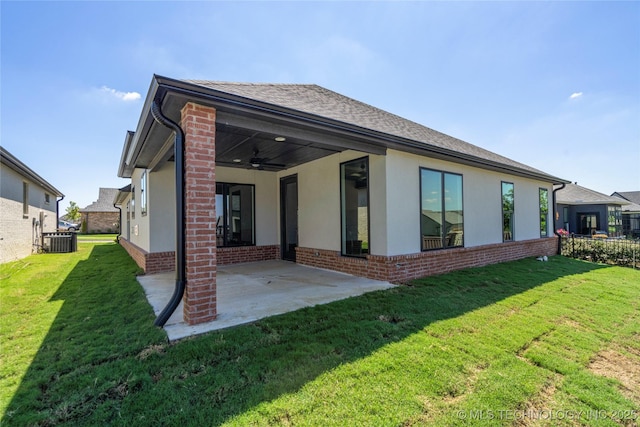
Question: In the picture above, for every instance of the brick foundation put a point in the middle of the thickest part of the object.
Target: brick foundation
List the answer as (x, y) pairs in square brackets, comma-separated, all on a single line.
[(240, 254), (150, 262), (405, 267), (199, 125), (159, 262)]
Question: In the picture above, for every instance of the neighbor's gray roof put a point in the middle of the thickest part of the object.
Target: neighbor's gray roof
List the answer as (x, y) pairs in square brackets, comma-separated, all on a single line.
[(631, 207), (632, 196), (104, 203), (9, 160), (574, 194), (316, 100)]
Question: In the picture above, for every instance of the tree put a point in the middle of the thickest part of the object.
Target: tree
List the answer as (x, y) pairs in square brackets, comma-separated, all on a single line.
[(73, 212)]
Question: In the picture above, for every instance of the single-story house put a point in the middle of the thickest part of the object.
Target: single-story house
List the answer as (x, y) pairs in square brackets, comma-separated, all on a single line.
[(29, 207), (101, 216), (584, 211), (230, 172), (630, 213)]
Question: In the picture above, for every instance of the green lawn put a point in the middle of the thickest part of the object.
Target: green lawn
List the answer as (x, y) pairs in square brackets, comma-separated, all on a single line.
[(97, 237), (498, 345)]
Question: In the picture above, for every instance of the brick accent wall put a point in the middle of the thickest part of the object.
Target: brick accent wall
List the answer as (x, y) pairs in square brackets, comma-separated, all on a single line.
[(247, 254), (199, 125), (154, 262), (100, 222), (405, 267), (159, 262)]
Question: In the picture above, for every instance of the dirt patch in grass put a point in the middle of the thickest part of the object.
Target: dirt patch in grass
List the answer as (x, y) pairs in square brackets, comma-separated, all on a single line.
[(613, 364), (543, 402), (152, 349)]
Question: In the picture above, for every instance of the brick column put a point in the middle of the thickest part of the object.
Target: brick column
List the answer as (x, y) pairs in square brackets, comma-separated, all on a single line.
[(199, 125)]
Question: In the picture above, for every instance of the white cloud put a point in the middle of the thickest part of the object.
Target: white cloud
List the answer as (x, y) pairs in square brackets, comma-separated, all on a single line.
[(575, 95), (125, 96)]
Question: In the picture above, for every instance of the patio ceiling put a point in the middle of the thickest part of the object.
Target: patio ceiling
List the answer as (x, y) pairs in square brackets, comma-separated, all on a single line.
[(251, 149), (254, 143)]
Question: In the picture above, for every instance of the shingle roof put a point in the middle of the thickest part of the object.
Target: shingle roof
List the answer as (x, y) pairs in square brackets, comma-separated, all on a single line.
[(104, 203), (574, 194), (631, 207), (632, 196), (318, 101)]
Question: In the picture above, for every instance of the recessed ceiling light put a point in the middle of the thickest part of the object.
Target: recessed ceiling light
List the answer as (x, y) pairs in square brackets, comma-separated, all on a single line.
[(237, 161), (280, 138)]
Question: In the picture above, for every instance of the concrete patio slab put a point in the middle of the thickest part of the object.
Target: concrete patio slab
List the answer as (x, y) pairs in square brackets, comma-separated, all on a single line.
[(251, 291)]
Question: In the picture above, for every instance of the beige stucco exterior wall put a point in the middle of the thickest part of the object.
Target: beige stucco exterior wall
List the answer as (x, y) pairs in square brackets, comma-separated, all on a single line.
[(139, 225), (266, 200), (394, 204), (319, 201), (161, 209), (18, 233), (481, 202), (154, 231), (126, 228)]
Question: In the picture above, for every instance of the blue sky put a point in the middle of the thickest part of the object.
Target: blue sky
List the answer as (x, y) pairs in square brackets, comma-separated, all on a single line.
[(555, 85)]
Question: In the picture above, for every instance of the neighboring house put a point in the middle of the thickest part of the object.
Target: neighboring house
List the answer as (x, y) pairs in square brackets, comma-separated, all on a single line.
[(29, 207), (301, 173), (630, 213), (101, 216), (583, 211)]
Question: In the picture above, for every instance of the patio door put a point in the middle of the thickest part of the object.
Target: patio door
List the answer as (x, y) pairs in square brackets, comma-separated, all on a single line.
[(589, 223), (289, 217)]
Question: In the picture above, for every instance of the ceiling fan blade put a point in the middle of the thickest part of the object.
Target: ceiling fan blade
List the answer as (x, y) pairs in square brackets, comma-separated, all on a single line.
[(275, 165)]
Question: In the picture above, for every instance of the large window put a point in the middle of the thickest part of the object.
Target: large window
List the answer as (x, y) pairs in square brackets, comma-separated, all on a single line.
[(133, 202), (354, 193), (143, 193), (614, 220), (544, 212), (441, 213), (507, 211), (235, 214)]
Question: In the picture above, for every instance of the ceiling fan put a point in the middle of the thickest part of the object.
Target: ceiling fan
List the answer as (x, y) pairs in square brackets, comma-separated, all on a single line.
[(260, 162)]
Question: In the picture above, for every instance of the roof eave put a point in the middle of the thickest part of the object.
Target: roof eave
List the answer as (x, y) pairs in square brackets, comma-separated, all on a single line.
[(135, 140), (123, 170), (12, 162), (122, 195), (596, 202)]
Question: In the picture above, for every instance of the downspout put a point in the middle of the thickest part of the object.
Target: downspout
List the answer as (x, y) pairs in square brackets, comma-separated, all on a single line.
[(178, 152), (58, 210), (119, 223), (57, 215), (553, 201)]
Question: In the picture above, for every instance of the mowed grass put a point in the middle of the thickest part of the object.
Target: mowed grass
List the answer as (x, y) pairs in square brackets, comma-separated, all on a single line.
[(498, 345), (97, 237)]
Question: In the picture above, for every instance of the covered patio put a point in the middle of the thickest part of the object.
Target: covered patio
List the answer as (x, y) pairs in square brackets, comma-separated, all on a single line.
[(251, 291)]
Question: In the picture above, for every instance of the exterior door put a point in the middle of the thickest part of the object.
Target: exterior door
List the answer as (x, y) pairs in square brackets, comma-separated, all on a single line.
[(289, 217), (589, 223)]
